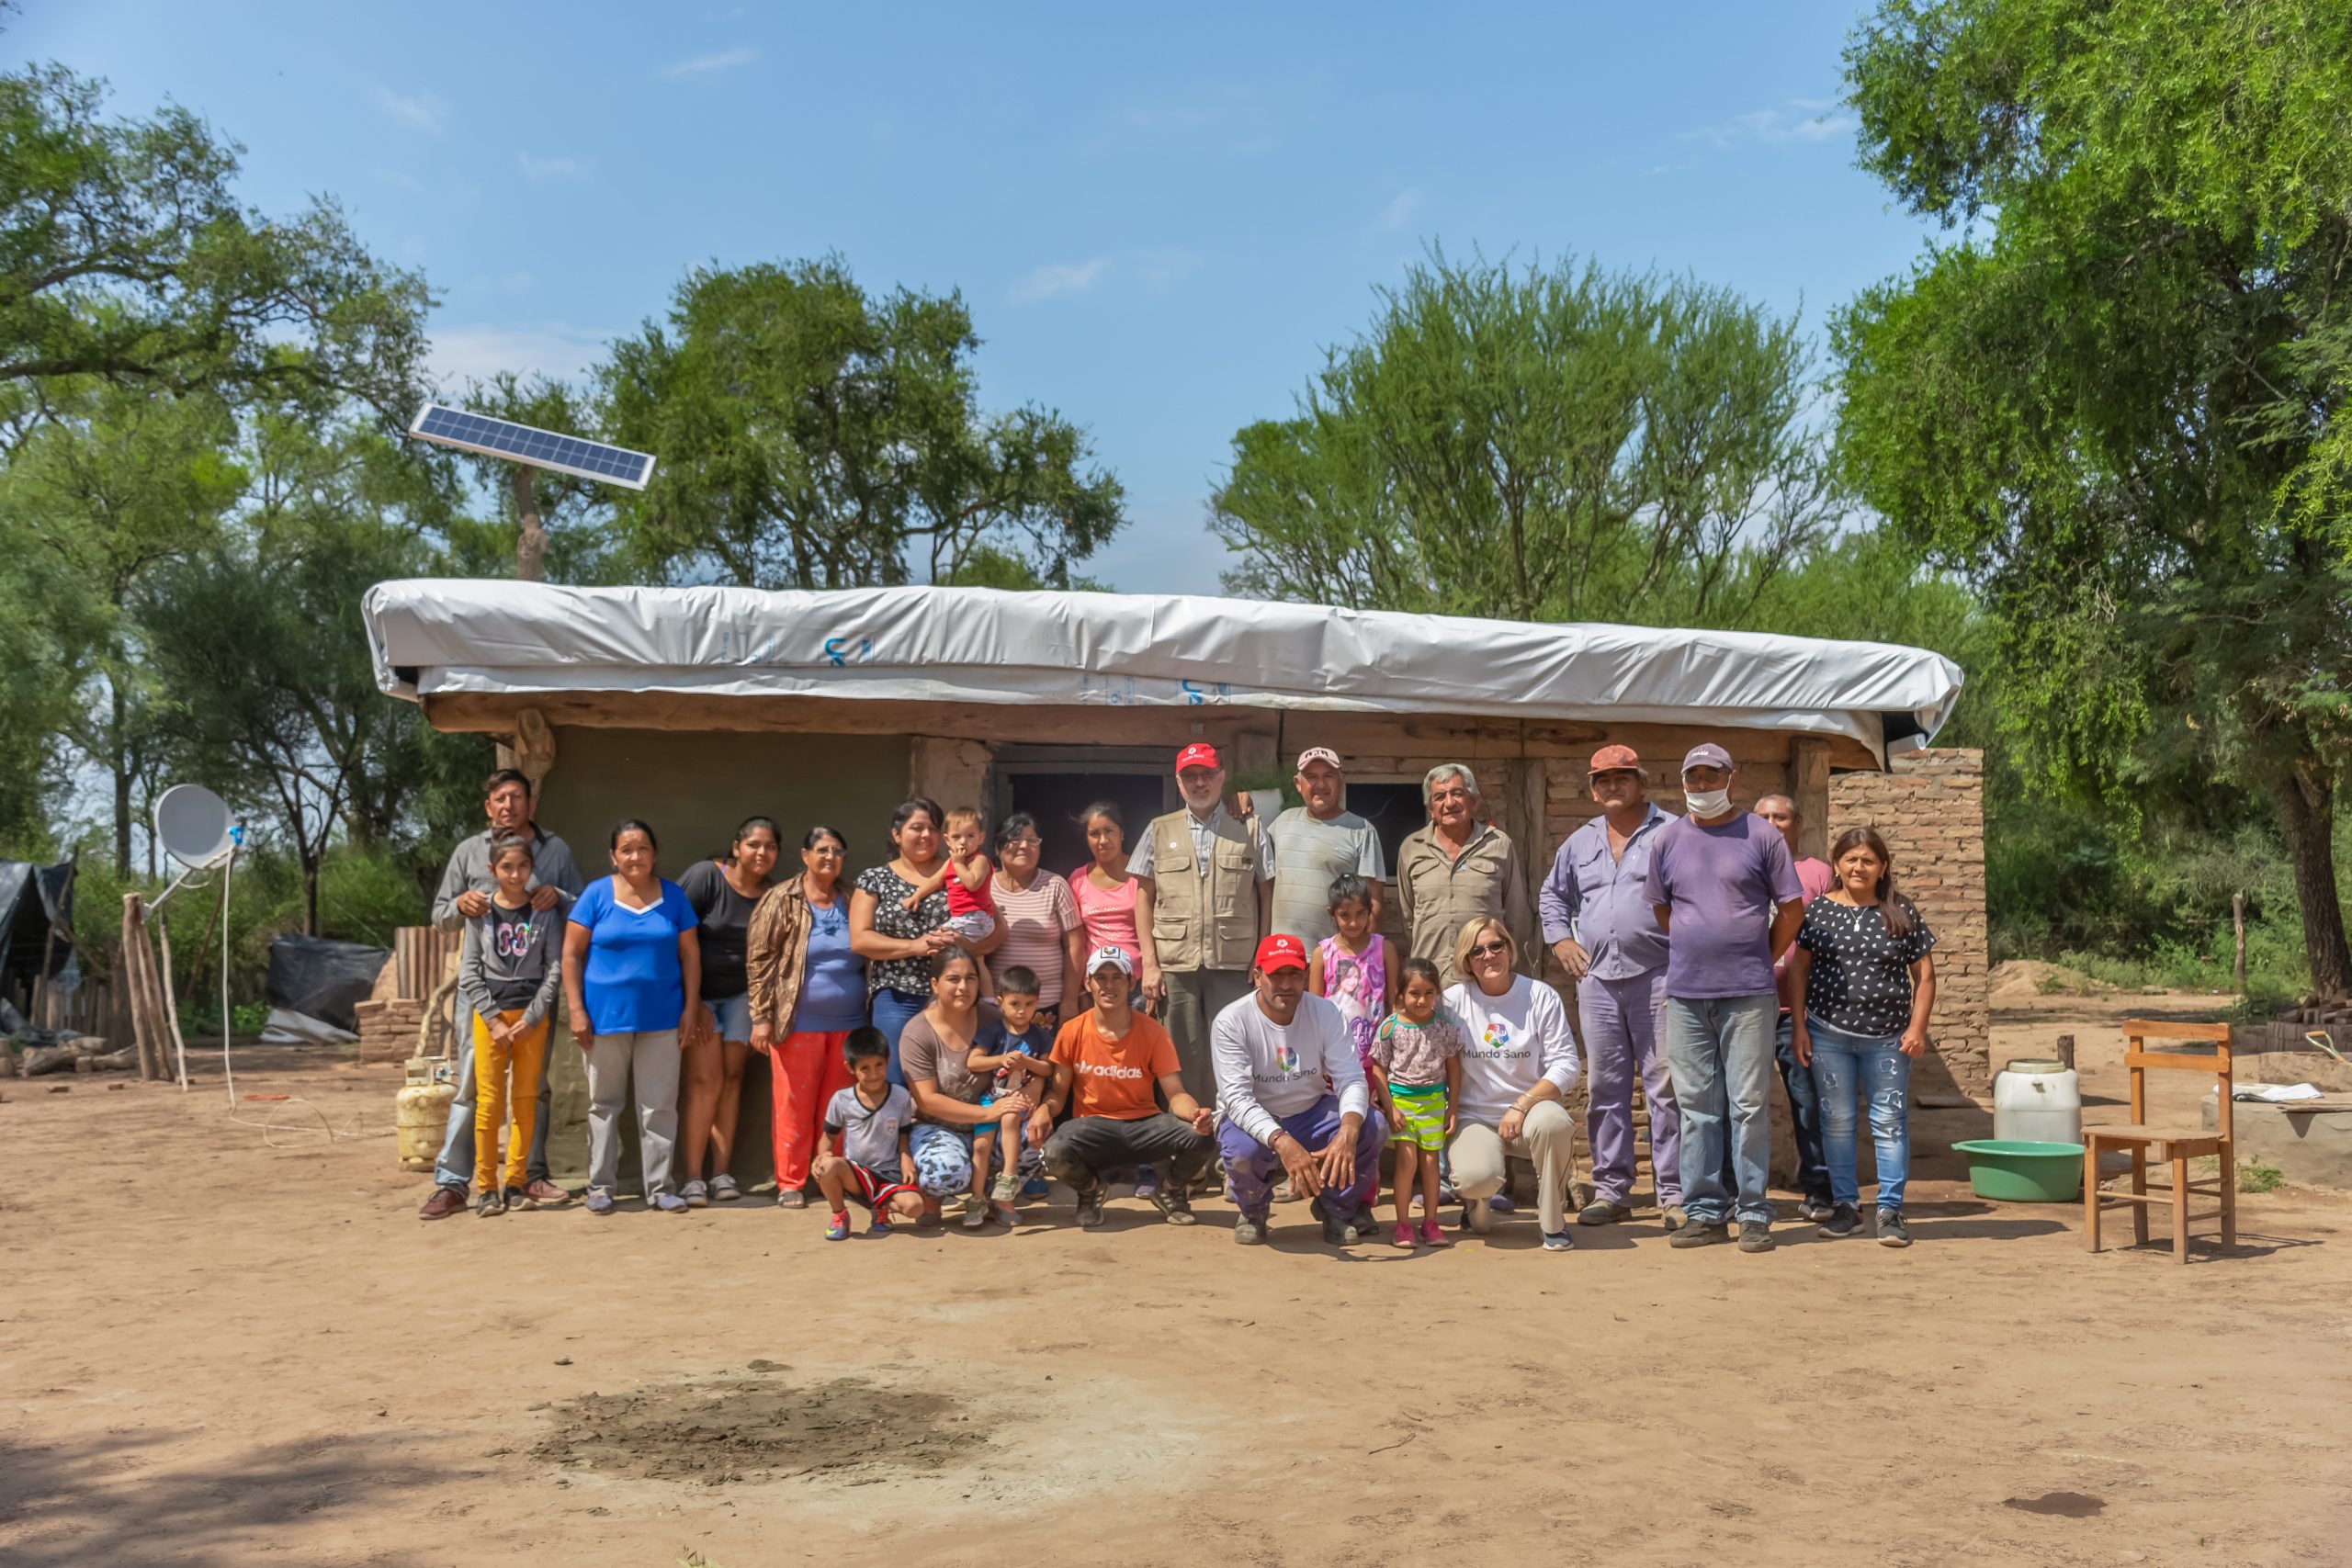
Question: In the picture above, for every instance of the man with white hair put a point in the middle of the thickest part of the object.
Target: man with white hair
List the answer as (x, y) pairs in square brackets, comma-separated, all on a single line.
[(1459, 869)]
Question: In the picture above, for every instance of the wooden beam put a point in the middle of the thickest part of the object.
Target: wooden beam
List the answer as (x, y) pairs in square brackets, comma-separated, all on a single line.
[(1809, 787)]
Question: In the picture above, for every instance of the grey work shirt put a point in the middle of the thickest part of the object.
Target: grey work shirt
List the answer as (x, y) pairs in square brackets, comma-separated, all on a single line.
[(1304, 855), (1603, 901), (469, 870)]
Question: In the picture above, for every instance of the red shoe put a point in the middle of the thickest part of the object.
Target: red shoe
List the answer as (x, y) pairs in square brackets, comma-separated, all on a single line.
[(544, 1194), (1432, 1234), (444, 1201)]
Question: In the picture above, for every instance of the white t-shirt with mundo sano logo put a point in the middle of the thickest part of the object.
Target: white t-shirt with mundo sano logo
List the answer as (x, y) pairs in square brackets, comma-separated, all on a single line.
[(1508, 1042), (1267, 1070)]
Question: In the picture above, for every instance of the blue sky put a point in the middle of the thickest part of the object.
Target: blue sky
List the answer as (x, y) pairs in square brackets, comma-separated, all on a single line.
[(1158, 220)]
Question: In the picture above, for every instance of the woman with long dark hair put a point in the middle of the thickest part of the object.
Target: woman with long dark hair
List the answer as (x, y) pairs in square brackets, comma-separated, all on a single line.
[(1861, 961), (1038, 915), (896, 943), (808, 991), (723, 892), (952, 1100)]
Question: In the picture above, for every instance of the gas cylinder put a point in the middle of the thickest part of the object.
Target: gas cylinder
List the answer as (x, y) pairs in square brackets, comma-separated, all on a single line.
[(420, 1111)]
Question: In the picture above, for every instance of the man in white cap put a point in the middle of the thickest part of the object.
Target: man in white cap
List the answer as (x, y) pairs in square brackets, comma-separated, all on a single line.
[(1308, 846), (1725, 887), (1106, 1062)]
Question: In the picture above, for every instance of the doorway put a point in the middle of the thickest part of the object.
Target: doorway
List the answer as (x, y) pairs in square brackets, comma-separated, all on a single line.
[(1055, 783)]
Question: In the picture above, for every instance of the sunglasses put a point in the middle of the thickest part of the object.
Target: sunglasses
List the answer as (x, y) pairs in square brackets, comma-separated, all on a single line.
[(1490, 949)]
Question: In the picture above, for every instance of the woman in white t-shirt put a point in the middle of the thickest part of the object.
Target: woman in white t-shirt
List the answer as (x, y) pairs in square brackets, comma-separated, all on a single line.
[(1519, 1061)]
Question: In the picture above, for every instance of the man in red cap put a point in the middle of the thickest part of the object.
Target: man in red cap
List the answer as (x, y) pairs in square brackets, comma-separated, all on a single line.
[(1599, 922), (1196, 911), (1291, 1094)]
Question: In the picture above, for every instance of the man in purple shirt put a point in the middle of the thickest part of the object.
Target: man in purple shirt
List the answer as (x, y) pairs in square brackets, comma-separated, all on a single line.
[(1722, 883), (1598, 920)]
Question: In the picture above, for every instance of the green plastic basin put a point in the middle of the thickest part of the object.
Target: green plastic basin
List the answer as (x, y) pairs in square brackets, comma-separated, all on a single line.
[(2008, 1170)]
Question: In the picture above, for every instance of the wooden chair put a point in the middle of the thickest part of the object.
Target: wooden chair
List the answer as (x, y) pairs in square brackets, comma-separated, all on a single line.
[(2176, 1145)]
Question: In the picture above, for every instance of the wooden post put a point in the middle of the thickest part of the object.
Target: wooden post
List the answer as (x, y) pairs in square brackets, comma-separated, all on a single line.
[(2237, 922), (1809, 787), (530, 539)]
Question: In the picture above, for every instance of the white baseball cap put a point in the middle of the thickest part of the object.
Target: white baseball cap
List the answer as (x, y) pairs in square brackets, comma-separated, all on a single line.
[(1111, 952)]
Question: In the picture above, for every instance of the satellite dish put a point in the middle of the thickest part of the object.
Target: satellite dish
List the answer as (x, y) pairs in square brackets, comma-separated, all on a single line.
[(192, 824)]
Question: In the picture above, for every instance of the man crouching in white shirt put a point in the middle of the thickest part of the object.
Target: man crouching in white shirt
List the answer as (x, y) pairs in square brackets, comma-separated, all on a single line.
[(1290, 1094)]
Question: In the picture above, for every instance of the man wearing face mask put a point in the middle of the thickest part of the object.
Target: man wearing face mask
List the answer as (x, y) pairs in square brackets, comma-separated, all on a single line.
[(1722, 883), (1197, 910)]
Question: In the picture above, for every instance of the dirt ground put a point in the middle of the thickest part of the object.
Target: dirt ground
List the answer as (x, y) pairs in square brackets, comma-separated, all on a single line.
[(217, 1351)]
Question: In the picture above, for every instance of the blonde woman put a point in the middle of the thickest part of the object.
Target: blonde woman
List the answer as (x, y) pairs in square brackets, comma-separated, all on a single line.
[(1519, 1061)]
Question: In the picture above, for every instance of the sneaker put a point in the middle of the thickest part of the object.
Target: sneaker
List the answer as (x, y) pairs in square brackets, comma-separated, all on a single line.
[(723, 1189), (792, 1199), (1366, 1225), (1814, 1210), (880, 1226), (1755, 1235), (695, 1196), (1501, 1203), (837, 1228), (1004, 1190), (515, 1199), (1337, 1232), (490, 1204), (1891, 1232), (1006, 1215), (1147, 1182), (444, 1201), (1604, 1211), (1433, 1234), (1404, 1236), (599, 1203), (669, 1203), (1090, 1210), (975, 1216), (1034, 1188), (1172, 1201), (1479, 1215), (541, 1193), (1558, 1241), (1699, 1232), (1843, 1221), (1285, 1192), (1248, 1232), (1674, 1217)]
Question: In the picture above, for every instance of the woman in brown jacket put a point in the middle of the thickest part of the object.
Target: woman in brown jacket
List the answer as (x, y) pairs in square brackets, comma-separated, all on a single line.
[(808, 991)]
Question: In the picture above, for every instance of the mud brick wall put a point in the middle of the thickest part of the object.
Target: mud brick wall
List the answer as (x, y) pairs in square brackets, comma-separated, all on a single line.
[(1930, 809)]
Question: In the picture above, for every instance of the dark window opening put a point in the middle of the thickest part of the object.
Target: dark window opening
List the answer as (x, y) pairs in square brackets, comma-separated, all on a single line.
[(1056, 799), (1394, 811)]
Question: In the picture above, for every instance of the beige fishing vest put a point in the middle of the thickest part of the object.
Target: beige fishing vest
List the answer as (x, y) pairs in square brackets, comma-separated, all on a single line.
[(1203, 922)]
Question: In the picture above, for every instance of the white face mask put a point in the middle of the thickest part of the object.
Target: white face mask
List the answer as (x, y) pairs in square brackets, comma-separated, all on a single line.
[(1708, 802)]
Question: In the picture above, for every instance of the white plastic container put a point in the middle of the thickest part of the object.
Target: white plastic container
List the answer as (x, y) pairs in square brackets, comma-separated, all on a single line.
[(2037, 1101)]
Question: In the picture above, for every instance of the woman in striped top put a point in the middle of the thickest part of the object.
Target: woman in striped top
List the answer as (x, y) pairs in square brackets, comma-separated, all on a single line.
[(1039, 919)]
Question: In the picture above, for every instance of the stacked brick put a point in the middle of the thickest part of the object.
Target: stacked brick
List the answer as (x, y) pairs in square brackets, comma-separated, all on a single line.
[(1930, 809), (388, 1027)]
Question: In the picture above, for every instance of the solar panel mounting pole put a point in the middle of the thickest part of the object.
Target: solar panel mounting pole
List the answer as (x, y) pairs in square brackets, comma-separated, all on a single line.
[(531, 541)]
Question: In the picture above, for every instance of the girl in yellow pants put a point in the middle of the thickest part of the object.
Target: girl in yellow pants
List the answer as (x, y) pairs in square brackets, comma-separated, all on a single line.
[(508, 972)]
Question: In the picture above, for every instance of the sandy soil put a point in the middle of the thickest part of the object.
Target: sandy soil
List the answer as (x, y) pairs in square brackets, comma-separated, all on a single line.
[(215, 1351)]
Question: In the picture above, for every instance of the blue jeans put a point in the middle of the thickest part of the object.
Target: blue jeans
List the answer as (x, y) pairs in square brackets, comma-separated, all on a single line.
[(1805, 1116), (1846, 1068), (892, 1009), (1719, 1050)]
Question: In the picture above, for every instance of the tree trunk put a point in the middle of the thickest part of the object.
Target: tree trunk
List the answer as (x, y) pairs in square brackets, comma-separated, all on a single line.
[(2306, 801), (119, 765), (309, 894), (531, 541)]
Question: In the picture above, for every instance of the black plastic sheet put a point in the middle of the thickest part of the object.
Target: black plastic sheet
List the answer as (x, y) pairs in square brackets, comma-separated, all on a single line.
[(325, 979)]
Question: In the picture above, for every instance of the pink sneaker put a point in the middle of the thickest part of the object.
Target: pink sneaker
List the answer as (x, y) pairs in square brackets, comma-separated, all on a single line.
[(1431, 1235), (1404, 1236)]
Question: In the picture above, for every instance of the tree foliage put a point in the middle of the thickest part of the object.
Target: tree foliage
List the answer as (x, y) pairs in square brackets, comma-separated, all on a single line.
[(1543, 444), (2117, 398), (815, 436)]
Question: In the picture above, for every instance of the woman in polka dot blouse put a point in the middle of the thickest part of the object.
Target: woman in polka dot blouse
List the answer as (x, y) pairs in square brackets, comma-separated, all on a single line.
[(1861, 962)]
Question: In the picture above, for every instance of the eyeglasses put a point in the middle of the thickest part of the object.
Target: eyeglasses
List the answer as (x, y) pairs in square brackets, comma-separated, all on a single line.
[(1028, 843), (1490, 949)]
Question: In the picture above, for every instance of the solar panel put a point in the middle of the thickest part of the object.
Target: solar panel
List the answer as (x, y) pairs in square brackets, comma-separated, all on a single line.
[(540, 448)]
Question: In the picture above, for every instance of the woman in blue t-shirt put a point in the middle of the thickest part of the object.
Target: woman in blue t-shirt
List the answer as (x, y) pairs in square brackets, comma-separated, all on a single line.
[(632, 976)]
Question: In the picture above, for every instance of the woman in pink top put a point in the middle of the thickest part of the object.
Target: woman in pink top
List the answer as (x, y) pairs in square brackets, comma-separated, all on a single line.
[(1105, 893), (1038, 919)]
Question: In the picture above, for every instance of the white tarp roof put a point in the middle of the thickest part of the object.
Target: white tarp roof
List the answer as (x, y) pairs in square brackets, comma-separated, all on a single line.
[(431, 635)]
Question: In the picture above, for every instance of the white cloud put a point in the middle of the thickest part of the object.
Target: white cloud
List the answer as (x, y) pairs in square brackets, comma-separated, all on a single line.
[(727, 60), (542, 170), (1161, 268), (1796, 123), (479, 350), (1401, 210), (1062, 278), (426, 111)]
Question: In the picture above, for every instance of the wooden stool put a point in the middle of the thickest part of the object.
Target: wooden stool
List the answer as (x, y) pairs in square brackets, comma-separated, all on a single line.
[(2174, 1145)]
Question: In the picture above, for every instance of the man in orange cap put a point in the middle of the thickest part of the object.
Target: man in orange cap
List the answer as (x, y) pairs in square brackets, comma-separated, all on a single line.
[(1196, 911), (1599, 922)]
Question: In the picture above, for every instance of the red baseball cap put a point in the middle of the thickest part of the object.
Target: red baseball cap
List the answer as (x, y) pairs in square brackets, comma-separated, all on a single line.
[(1614, 759), (1279, 951), (1199, 755)]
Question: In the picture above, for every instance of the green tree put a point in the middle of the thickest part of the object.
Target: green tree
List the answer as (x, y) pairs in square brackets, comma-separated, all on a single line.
[(1543, 444), (812, 435), (2116, 397), (124, 255)]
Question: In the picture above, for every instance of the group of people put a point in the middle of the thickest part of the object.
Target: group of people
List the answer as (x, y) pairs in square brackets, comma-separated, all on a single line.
[(1216, 1006)]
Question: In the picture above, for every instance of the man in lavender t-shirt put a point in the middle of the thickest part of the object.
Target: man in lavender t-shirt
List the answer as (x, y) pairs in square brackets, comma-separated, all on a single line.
[(1726, 891)]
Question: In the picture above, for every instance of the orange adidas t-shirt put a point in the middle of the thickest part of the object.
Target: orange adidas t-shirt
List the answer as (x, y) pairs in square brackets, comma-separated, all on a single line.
[(1114, 1078)]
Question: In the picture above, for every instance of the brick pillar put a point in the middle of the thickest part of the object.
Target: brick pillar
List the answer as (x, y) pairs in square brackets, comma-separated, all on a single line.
[(1929, 807)]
